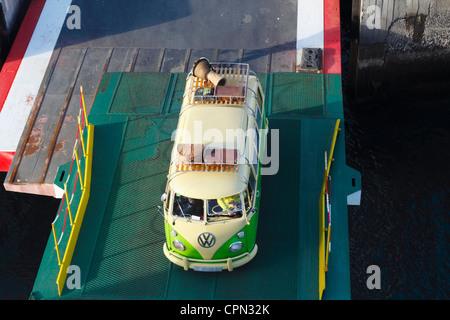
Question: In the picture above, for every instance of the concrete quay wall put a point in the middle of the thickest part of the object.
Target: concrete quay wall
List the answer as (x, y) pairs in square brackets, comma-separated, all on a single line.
[(399, 46)]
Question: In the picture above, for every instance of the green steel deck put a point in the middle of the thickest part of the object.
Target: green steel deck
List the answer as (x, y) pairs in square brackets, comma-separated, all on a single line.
[(119, 249)]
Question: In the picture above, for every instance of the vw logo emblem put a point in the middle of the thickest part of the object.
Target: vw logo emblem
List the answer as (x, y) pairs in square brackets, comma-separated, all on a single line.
[(206, 240)]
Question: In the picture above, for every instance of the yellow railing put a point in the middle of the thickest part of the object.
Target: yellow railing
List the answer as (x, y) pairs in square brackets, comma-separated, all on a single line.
[(82, 156), (324, 207)]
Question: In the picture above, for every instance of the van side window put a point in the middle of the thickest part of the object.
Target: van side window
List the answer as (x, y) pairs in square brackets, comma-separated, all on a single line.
[(253, 145), (252, 185), (258, 119), (257, 137), (248, 196), (259, 99), (259, 102), (167, 201)]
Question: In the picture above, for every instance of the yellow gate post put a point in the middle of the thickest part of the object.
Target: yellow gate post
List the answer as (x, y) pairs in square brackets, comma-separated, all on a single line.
[(68, 204), (56, 245), (324, 245)]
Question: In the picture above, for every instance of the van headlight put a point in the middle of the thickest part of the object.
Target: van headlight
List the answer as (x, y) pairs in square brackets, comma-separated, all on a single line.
[(178, 245), (236, 246)]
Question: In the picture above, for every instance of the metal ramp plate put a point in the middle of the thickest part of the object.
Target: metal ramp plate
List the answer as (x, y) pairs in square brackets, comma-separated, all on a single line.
[(120, 244), (49, 135)]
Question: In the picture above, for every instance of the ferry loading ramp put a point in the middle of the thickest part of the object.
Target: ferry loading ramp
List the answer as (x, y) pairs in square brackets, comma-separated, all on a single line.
[(119, 248)]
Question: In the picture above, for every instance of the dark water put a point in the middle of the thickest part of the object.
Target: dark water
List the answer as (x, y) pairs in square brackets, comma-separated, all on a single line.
[(402, 225), (25, 224), (402, 149)]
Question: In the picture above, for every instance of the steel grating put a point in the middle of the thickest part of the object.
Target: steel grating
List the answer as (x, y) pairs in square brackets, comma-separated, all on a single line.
[(298, 94), (177, 94), (127, 261), (140, 93), (123, 255)]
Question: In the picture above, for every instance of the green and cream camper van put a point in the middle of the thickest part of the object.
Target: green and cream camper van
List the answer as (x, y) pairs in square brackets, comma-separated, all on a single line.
[(211, 201)]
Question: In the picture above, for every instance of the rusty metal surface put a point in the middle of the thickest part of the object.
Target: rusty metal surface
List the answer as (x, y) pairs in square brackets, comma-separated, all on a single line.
[(144, 37), (50, 134)]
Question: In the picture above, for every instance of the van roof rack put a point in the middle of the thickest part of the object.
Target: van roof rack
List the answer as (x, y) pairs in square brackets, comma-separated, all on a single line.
[(234, 91)]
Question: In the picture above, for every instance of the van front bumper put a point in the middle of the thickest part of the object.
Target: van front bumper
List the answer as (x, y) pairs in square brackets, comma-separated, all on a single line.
[(210, 265)]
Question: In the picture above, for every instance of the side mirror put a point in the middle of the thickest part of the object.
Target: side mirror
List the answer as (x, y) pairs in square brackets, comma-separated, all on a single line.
[(163, 197)]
